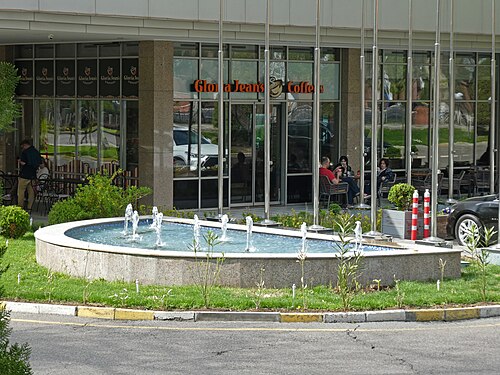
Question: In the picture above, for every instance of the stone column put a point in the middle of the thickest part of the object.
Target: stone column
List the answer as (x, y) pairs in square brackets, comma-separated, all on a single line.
[(351, 108), (156, 121)]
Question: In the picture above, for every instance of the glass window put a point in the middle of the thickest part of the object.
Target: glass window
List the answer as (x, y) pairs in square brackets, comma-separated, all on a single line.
[(110, 135), (86, 50), (87, 134), (24, 52), (186, 49), (329, 130), (186, 194), (130, 49), (484, 82), (212, 50), (132, 123), (46, 127), (394, 82), (109, 50), (65, 131), (299, 72), (394, 56), (393, 133), (303, 54), (330, 81), (483, 129), (185, 73), (209, 72), (330, 54), (300, 119), (465, 59), (185, 137), (244, 52), (246, 73), (65, 50), (210, 132), (44, 51)]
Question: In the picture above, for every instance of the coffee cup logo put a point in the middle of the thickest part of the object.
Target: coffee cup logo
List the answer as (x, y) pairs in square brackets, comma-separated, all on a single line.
[(275, 87), (110, 71)]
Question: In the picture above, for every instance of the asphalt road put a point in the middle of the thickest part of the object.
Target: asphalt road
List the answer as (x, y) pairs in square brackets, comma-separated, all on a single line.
[(71, 345)]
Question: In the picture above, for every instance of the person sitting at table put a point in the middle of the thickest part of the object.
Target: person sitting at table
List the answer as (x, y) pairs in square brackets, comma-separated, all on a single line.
[(384, 174), (347, 176), (43, 170), (335, 177)]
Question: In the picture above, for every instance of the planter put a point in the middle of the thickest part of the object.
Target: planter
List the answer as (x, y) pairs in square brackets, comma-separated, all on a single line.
[(398, 224)]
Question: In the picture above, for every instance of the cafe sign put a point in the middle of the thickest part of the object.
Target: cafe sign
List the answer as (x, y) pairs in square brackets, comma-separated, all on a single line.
[(277, 87)]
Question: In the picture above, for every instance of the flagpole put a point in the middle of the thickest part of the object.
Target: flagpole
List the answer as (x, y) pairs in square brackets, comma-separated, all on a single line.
[(316, 115), (451, 134), (409, 95), (220, 79), (435, 131), (374, 140), (267, 125), (493, 102), (362, 204)]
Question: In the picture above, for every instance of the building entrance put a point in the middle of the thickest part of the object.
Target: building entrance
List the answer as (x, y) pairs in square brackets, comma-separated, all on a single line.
[(247, 153)]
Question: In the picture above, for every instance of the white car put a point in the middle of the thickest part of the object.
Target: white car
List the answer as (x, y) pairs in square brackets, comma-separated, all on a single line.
[(186, 150)]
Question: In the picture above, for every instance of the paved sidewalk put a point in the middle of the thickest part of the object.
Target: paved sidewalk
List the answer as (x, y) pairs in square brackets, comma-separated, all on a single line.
[(411, 315)]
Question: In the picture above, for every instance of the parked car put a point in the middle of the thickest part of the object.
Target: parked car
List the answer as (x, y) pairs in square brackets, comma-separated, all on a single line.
[(477, 211), (186, 149)]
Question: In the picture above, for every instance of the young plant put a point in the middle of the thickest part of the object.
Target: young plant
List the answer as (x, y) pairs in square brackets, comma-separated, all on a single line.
[(121, 298), (207, 269), (259, 292), (349, 261), (442, 265), (476, 243), (400, 295)]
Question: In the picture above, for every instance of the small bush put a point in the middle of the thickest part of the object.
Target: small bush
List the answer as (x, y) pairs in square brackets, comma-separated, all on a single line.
[(401, 195), (14, 221), (98, 199)]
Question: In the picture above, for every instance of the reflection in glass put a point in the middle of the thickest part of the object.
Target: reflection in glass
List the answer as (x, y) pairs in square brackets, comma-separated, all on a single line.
[(185, 73), (87, 133), (110, 135), (483, 131), (299, 72), (244, 72), (209, 72), (241, 160), (300, 119), (46, 127), (65, 131), (392, 136), (132, 149)]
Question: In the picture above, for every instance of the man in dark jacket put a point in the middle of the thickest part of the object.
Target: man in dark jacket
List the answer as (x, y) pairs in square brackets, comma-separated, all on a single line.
[(29, 162)]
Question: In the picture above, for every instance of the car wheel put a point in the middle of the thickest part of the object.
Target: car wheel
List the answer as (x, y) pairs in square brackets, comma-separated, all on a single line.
[(179, 162), (464, 228)]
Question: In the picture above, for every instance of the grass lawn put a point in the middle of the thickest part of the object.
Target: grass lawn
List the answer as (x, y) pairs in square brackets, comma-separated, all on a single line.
[(38, 284)]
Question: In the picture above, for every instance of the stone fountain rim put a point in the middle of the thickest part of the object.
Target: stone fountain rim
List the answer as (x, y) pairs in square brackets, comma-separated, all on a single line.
[(55, 235)]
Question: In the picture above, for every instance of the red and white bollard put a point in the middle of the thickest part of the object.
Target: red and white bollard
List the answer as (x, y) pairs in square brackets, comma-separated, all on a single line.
[(414, 216), (427, 211)]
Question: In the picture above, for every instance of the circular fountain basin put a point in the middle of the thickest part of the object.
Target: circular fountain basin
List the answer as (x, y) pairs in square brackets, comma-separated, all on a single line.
[(62, 248)]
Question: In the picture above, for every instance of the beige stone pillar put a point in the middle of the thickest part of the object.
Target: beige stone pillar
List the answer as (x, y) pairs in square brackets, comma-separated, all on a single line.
[(350, 143), (156, 121)]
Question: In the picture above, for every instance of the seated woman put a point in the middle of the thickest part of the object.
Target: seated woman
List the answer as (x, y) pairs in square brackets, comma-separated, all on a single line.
[(384, 174), (335, 177), (347, 176)]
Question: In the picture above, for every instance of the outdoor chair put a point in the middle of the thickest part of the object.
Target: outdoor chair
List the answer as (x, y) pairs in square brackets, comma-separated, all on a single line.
[(327, 190), (385, 186), (459, 181)]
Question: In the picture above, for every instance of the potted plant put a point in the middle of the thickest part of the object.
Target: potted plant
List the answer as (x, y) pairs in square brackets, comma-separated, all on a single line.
[(398, 222)]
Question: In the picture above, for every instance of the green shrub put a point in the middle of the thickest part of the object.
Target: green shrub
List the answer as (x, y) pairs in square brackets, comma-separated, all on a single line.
[(401, 195), (98, 199), (14, 221)]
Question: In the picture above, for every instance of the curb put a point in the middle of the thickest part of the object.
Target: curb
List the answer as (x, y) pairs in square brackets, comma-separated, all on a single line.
[(412, 315)]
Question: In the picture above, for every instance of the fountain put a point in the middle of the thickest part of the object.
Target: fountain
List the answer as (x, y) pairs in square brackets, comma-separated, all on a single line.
[(249, 222), (224, 221), (154, 213), (97, 249), (358, 236), (128, 217)]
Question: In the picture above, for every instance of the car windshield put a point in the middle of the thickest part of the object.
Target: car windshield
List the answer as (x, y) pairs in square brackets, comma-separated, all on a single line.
[(181, 137)]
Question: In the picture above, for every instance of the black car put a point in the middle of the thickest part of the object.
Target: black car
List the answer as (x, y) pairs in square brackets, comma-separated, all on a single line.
[(477, 211)]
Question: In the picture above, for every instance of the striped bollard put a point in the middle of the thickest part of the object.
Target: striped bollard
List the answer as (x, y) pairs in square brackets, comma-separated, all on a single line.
[(427, 216), (414, 216)]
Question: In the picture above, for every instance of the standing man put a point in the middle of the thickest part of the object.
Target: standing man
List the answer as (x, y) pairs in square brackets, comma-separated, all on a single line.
[(29, 162)]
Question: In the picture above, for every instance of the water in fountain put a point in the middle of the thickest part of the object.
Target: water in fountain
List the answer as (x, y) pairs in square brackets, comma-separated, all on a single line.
[(158, 220), (153, 217), (249, 222), (358, 235), (135, 223), (196, 233), (128, 217), (303, 230), (224, 220)]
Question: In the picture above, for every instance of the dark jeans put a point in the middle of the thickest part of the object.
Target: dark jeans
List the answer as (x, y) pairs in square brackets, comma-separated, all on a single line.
[(353, 189)]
